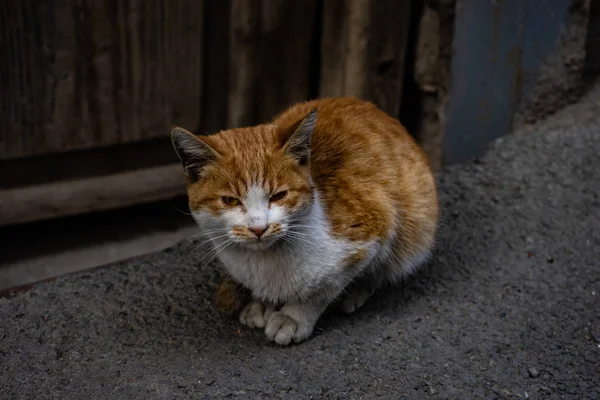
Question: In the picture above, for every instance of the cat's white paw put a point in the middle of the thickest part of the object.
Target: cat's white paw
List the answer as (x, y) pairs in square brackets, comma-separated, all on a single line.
[(256, 314), (289, 324), (355, 298)]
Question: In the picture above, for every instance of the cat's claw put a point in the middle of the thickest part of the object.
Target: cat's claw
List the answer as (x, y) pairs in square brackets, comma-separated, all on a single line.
[(256, 314)]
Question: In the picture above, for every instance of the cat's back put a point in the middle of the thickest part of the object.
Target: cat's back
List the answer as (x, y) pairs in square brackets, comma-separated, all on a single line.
[(349, 130), (370, 173)]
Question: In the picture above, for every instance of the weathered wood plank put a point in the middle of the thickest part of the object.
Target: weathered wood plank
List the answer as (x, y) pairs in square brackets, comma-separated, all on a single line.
[(60, 199), (287, 34), (270, 57), (433, 55), (363, 50), (215, 91), (244, 63), (81, 73), (87, 163)]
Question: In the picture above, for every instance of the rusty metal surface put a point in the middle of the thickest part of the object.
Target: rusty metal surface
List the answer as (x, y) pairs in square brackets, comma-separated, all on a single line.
[(498, 48)]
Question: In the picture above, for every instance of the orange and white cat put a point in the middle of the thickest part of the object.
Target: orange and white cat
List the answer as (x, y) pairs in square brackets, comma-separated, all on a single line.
[(331, 200)]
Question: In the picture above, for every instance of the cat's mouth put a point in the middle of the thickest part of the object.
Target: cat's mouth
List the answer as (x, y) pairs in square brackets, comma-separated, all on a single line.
[(249, 238), (260, 243), (263, 242)]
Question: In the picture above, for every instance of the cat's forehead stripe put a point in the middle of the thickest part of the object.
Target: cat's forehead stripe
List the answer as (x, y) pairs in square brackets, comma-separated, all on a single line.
[(256, 194)]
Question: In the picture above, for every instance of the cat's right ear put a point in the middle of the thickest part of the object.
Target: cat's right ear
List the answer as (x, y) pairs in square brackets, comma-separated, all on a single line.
[(297, 144), (194, 153)]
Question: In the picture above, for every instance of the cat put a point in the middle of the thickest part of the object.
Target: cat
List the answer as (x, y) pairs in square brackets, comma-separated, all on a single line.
[(325, 204)]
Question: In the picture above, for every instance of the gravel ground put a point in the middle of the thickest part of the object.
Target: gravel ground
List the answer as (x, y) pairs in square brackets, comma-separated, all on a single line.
[(509, 307)]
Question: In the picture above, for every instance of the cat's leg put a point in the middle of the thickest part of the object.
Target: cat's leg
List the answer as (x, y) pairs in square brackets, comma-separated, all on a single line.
[(294, 322), (379, 275), (363, 286), (381, 272), (356, 294), (256, 314), (230, 296)]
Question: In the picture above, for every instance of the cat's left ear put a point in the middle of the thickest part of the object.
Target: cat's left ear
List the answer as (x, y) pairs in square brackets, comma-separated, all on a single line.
[(298, 144), (193, 152)]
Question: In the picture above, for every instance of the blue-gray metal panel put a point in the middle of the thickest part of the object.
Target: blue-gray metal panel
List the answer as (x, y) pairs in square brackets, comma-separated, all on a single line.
[(498, 48), (592, 44)]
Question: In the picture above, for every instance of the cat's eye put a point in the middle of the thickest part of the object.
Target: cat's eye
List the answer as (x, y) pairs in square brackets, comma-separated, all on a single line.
[(278, 196), (230, 201)]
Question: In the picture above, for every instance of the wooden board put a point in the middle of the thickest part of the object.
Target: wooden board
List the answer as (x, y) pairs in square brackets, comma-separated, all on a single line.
[(270, 57), (59, 199), (82, 73), (215, 90), (363, 50), (87, 163)]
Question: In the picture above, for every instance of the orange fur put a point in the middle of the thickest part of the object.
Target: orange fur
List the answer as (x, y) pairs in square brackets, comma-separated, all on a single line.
[(230, 296), (373, 179), (372, 175)]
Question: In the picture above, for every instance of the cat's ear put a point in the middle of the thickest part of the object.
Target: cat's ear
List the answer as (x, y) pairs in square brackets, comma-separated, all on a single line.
[(298, 143), (194, 153)]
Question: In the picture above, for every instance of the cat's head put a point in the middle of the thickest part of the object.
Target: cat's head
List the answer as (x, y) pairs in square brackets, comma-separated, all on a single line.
[(249, 186)]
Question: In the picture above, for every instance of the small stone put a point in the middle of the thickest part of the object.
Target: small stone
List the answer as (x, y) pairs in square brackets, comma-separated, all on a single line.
[(533, 372)]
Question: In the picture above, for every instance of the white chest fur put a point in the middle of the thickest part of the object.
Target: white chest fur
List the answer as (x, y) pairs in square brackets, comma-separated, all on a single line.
[(297, 269)]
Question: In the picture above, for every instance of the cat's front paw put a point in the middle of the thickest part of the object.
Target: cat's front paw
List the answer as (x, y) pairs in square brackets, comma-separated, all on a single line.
[(291, 323), (256, 314)]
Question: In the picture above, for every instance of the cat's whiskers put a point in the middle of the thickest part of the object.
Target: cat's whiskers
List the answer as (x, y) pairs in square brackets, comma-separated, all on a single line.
[(216, 248), (301, 225), (299, 233), (183, 212), (300, 219), (296, 237), (205, 232), (293, 243), (208, 240), (221, 249), (300, 229)]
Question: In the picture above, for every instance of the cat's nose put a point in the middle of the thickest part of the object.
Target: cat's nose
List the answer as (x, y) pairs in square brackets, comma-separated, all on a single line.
[(258, 230)]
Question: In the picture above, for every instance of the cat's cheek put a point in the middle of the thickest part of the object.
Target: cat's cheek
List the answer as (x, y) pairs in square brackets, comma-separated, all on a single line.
[(223, 221), (204, 219), (233, 217), (277, 214)]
